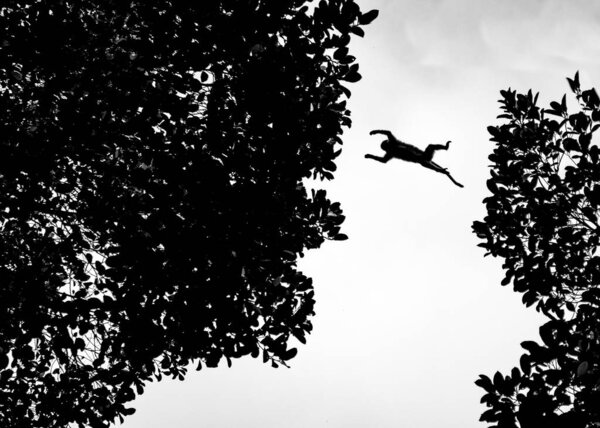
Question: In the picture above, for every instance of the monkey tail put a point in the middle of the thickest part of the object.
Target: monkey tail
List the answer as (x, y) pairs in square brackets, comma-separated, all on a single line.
[(453, 180)]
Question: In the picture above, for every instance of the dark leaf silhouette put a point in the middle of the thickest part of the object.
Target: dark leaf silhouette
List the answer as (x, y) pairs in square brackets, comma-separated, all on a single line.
[(152, 205), (368, 17), (358, 31), (542, 219)]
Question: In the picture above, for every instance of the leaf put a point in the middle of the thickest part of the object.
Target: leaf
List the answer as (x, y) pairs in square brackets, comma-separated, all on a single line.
[(530, 346), (290, 353), (489, 416), (484, 382), (492, 186), (129, 411), (515, 374), (494, 131), (557, 107), (358, 31), (547, 334), (5, 375), (299, 334), (571, 145), (289, 254), (582, 368), (352, 77), (346, 91), (498, 380), (573, 85), (340, 237), (368, 17), (488, 399), (340, 53), (112, 261), (100, 267), (590, 213), (3, 360), (79, 343)]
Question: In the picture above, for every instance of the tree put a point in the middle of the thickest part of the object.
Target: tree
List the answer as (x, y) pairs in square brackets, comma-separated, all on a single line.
[(152, 205), (542, 219)]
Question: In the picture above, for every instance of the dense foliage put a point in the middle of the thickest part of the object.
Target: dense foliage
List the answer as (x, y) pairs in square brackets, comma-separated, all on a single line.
[(152, 206), (542, 219)]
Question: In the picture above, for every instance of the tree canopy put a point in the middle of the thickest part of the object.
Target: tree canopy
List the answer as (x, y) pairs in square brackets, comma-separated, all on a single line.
[(152, 200), (542, 219)]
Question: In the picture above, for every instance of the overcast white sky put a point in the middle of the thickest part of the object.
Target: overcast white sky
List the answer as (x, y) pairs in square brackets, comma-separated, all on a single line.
[(409, 312)]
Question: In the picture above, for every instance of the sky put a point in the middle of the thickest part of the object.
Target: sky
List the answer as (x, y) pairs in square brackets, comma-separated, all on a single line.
[(408, 310)]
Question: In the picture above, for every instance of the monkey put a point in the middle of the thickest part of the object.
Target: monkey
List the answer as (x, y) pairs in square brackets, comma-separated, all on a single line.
[(395, 148)]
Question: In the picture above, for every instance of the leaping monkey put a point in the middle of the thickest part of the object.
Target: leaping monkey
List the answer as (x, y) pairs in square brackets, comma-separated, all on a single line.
[(395, 148)]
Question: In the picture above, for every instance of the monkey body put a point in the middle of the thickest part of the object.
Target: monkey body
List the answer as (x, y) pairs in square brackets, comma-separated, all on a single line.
[(400, 150), (395, 148)]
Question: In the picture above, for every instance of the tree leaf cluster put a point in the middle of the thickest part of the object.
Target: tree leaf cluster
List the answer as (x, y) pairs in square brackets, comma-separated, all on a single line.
[(152, 205), (542, 219)]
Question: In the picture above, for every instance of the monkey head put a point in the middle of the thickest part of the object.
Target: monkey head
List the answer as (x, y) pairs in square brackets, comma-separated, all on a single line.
[(386, 146)]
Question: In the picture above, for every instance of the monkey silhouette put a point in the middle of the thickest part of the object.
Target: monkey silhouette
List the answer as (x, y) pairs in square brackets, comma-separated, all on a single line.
[(394, 148)]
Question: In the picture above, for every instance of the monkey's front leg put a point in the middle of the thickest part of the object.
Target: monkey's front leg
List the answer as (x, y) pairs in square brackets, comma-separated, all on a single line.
[(381, 131), (382, 159)]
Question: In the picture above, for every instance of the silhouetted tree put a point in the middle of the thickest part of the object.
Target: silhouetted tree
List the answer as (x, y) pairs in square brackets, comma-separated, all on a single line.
[(542, 219), (152, 206)]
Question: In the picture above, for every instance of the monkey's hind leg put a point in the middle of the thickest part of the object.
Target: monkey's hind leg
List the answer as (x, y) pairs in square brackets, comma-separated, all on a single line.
[(432, 148)]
